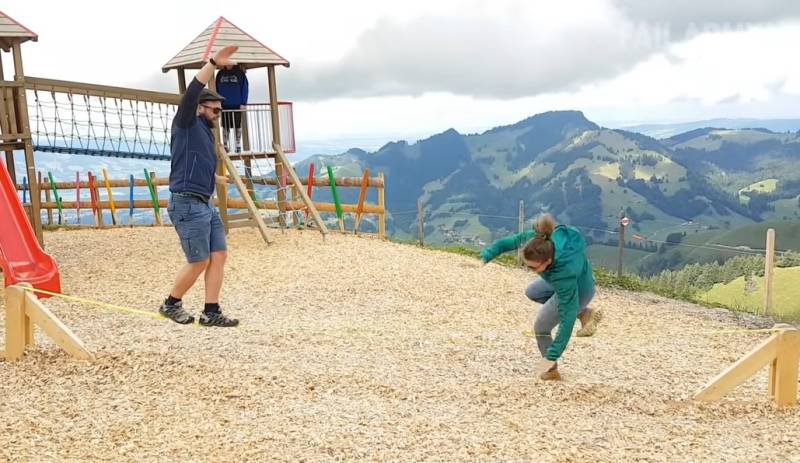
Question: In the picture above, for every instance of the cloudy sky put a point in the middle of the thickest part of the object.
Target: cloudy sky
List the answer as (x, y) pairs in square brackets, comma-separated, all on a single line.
[(365, 72)]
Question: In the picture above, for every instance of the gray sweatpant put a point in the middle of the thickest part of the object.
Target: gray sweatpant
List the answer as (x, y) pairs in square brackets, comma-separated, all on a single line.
[(540, 291)]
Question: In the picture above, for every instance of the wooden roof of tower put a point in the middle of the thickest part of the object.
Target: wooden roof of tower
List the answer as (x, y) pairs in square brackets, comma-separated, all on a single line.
[(221, 33), (11, 31)]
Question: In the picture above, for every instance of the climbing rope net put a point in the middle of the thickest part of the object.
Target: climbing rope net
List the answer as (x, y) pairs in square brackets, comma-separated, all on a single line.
[(76, 118), (100, 126)]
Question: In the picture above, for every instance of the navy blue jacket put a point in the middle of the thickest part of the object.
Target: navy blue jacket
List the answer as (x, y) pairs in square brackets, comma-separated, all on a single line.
[(194, 160), (233, 85)]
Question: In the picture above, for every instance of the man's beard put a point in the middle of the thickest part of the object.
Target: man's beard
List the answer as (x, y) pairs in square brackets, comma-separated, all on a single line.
[(211, 124)]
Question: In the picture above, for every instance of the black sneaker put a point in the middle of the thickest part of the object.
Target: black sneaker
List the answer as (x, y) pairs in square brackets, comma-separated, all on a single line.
[(217, 319), (176, 313)]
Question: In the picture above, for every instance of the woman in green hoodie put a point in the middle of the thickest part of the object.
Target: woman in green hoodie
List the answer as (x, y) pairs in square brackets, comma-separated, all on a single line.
[(565, 287)]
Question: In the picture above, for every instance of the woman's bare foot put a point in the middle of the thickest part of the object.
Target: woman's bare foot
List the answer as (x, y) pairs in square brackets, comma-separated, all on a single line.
[(551, 375)]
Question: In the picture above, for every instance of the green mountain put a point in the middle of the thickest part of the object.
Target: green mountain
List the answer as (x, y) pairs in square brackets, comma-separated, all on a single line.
[(705, 181)]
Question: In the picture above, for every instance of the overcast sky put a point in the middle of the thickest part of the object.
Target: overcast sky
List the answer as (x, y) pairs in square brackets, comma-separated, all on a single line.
[(403, 69)]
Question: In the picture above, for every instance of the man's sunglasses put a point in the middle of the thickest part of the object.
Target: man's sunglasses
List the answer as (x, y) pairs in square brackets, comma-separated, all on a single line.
[(213, 109)]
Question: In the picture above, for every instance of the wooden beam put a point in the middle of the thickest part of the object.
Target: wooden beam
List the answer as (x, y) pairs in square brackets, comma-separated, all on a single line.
[(232, 203), (55, 329), (12, 137), (240, 216), (249, 204), (81, 88), (740, 371), (242, 223), (347, 182)]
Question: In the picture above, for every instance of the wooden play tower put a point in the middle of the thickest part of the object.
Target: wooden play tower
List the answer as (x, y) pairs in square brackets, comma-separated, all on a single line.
[(15, 131), (251, 54)]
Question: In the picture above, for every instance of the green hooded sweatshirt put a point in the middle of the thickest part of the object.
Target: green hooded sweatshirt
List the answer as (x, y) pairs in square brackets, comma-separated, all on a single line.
[(570, 275)]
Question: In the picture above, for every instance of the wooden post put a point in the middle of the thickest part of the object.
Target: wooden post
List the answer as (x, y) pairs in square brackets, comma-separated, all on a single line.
[(222, 193), (156, 209), (421, 222), (182, 81), (15, 322), (781, 352), (96, 189), (5, 129), (10, 167), (248, 163), (78, 195), (769, 266), (19, 329), (382, 205), (47, 198), (362, 195), (309, 187), (276, 136), (623, 221), (783, 370), (521, 225), (110, 194), (92, 187), (245, 133), (25, 129)]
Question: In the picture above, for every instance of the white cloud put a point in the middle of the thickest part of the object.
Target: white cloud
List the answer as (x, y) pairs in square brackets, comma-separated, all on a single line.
[(464, 64)]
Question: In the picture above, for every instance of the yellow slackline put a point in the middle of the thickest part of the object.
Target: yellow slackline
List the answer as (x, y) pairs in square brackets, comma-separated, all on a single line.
[(118, 308), (529, 333), (158, 316)]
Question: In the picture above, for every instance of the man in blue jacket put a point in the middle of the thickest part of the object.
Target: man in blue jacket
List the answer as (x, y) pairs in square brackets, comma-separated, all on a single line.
[(232, 84), (192, 179)]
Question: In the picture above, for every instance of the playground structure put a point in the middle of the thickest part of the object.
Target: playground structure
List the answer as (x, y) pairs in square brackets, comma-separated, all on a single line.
[(149, 140), (48, 115)]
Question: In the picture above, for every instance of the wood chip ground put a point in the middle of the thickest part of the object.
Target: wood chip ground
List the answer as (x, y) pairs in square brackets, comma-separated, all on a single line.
[(357, 349)]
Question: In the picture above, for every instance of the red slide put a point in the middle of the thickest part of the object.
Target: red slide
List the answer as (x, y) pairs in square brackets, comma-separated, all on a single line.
[(21, 257)]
